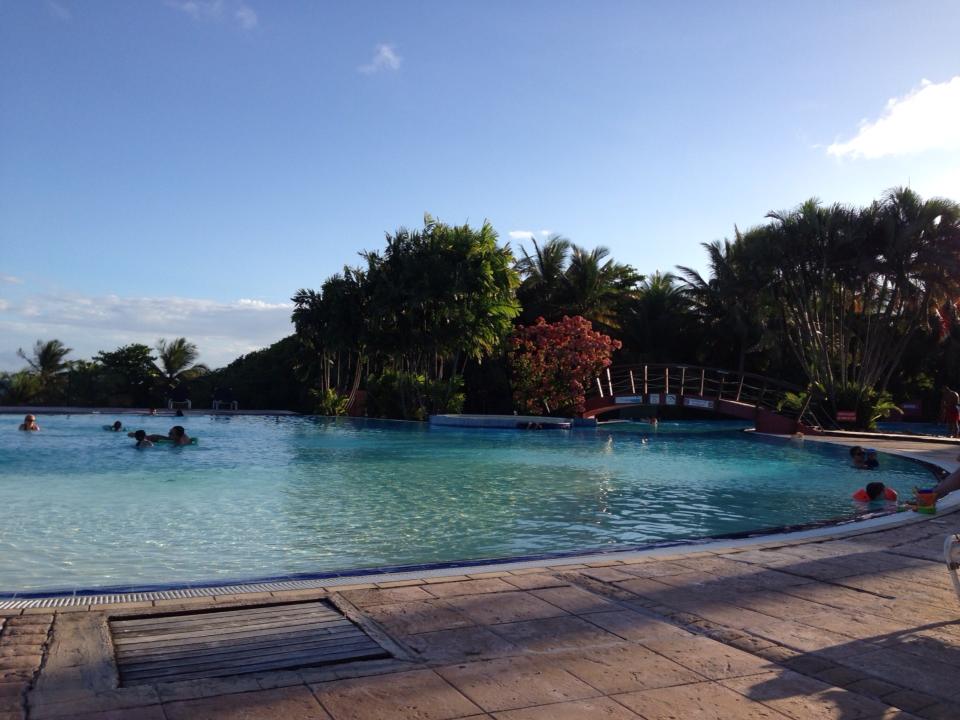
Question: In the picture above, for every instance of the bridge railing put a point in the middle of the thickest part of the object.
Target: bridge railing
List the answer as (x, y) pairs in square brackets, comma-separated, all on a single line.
[(701, 381)]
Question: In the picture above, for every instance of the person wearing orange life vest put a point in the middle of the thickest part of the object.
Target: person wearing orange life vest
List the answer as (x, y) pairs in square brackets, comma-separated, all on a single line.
[(875, 491)]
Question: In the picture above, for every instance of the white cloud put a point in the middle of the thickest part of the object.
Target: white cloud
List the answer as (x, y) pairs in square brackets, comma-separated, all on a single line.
[(11, 279), (3, 304), (384, 58), (221, 330), (927, 118), (59, 11), (246, 17), (528, 234), (218, 11)]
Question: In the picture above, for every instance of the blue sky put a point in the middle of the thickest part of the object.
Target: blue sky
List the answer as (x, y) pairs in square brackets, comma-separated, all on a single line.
[(183, 167)]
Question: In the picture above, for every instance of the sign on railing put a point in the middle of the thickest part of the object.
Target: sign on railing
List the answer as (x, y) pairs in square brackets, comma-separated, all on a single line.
[(846, 415)]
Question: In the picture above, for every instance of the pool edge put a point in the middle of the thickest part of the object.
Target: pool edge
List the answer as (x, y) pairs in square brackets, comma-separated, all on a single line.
[(388, 578)]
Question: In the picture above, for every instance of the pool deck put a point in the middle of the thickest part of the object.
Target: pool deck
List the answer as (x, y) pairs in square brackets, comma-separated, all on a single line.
[(853, 623)]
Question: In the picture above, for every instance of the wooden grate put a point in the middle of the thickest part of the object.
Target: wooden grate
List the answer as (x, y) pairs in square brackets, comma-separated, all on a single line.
[(166, 648)]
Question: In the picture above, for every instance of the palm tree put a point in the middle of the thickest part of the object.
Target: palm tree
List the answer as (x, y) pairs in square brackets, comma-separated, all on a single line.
[(177, 361), (598, 288), (48, 366), (730, 302), (543, 278)]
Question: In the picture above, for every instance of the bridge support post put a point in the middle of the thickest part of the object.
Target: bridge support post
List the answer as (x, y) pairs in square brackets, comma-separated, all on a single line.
[(703, 379), (633, 387), (645, 389)]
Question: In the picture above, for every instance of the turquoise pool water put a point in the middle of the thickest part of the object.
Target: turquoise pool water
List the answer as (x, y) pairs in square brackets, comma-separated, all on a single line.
[(269, 496)]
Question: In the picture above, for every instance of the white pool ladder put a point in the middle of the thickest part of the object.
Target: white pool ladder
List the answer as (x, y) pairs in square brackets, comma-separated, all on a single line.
[(951, 553)]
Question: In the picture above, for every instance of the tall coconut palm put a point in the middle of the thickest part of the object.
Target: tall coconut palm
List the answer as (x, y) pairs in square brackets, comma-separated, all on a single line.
[(655, 321), (730, 302), (177, 361), (47, 364), (598, 288), (542, 278)]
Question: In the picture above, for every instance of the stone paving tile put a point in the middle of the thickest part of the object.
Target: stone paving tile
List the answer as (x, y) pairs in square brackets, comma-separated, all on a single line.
[(699, 701), (895, 666), (654, 569), (417, 695), (506, 607), (606, 574), (689, 579), (152, 712), (411, 618), (599, 708), (709, 658), (637, 627), (470, 587), (365, 598), (944, 648), (940, 711), (806, 638), (910, 700), (294, 703), (723, 613), (575, 600), (534, 581), (460, 645), (862, 626), (516, 682), (445, 579), (624, 668), (208, 687), (804, 698), (557, 633), (649, 588), (400, 583)]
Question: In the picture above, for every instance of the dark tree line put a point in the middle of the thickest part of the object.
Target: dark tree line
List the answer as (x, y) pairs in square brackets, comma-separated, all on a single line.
[(856, 304)]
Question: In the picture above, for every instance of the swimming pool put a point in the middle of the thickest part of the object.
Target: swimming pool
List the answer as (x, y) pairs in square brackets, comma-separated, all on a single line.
[(271, 496)]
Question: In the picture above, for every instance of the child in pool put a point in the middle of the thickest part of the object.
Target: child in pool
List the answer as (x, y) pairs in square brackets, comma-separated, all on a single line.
[(875, 491), (142, 442)]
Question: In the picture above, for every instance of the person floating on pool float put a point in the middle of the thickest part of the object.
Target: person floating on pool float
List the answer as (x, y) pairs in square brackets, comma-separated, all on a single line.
[(142, 442), (864, 458), (29, 424), (177, 435), (875, 491)]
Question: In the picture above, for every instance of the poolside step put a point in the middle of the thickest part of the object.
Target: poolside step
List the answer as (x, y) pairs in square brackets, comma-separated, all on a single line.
[(215, 643)]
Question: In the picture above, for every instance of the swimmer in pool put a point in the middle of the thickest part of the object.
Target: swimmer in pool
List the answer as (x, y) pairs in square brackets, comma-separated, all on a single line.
[(177, 436), (29, 424), (117, 426), (875, 491), (142, 441)]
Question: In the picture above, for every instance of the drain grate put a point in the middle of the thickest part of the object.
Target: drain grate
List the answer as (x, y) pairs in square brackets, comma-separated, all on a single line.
[(165, 648)]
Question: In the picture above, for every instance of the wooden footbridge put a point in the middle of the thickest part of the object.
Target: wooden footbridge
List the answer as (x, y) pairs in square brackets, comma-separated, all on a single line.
[(724, 392)]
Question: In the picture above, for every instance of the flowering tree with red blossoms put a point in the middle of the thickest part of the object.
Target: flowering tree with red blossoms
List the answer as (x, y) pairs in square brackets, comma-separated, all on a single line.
[(554, 364)]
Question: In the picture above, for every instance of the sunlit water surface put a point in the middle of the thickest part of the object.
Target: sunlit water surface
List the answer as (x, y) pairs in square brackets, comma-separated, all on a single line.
[(271, 496)]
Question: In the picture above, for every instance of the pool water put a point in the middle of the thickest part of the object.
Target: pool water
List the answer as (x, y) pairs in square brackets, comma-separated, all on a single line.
[(271, 496)]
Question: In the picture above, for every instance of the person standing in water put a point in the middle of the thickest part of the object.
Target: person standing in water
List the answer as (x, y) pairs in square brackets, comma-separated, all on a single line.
[(29, 424)]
